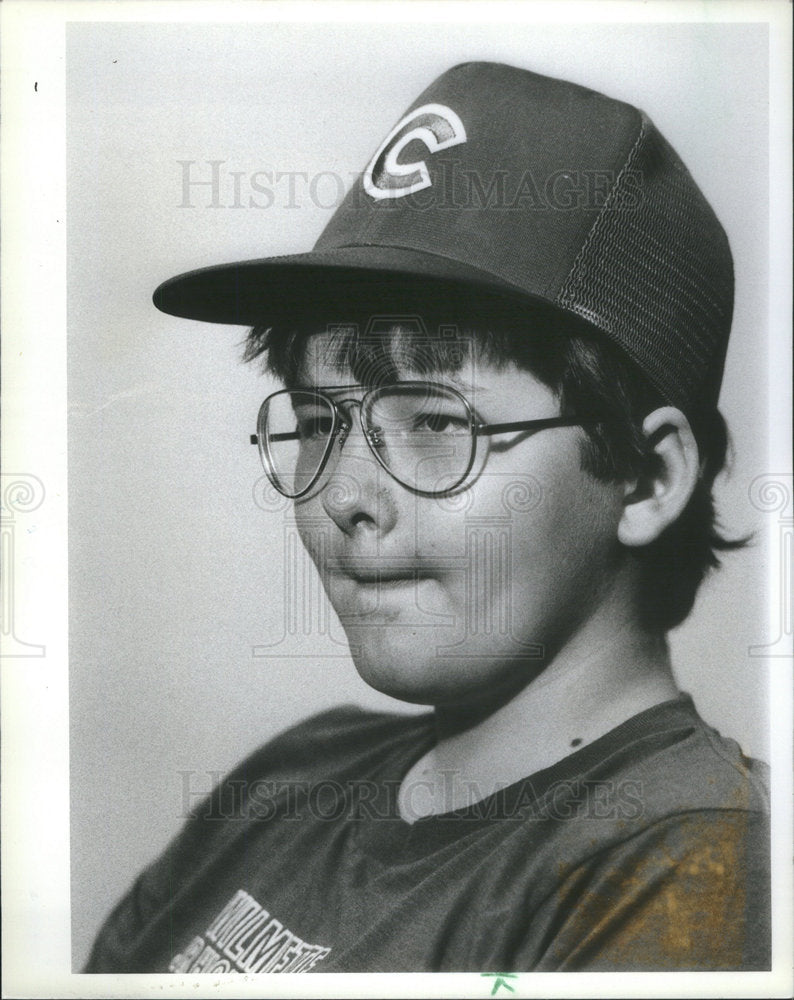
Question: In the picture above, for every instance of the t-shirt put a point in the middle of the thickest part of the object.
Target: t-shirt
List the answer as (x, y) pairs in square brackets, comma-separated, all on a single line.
[(647, 849)]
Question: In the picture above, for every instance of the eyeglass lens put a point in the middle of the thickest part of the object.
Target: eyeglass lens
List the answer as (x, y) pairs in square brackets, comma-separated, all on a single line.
[(420, 433)]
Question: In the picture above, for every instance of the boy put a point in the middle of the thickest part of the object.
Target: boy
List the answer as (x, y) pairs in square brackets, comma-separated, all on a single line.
[(499, 428)]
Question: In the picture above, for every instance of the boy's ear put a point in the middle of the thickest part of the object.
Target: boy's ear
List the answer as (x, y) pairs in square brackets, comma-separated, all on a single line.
[(659, 495)]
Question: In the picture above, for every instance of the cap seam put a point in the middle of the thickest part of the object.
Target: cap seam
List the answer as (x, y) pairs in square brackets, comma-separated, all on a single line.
[(569, 284)]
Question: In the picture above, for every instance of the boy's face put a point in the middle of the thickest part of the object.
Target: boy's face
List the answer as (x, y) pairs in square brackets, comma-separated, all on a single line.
[(459, 599)]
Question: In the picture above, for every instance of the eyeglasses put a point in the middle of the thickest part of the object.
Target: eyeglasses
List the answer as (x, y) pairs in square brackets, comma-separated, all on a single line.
[(424, 434)]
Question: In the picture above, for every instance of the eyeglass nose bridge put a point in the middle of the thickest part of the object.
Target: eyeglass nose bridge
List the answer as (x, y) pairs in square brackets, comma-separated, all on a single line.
[(372, 435)]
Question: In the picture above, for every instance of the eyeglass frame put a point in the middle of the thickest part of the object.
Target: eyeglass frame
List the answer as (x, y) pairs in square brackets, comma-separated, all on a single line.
[(340, 423)]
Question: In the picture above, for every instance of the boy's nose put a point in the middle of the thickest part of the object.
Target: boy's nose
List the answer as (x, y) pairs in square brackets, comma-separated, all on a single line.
[(358, 493)]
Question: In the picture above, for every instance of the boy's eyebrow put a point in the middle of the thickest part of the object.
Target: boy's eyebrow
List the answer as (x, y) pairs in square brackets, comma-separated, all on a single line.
[(470, 386)]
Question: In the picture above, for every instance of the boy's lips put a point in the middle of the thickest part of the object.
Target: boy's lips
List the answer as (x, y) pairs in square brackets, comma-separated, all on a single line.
[(364, 595), (369, 571)]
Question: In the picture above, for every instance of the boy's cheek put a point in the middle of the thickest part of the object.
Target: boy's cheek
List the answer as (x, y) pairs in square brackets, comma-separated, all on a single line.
[(313, 531)]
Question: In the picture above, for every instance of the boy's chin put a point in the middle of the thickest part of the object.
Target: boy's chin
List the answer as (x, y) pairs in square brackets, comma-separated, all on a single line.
[(415, 668), (403, 674)]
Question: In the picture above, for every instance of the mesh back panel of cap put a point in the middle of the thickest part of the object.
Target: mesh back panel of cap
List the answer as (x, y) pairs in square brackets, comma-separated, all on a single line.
[(656, 274)]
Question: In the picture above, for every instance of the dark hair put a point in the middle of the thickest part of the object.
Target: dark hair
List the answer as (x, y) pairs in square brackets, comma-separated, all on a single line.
[(586, 372)]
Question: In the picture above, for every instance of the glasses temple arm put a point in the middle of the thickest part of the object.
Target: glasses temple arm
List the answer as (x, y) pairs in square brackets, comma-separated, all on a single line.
[(287, 436), (536, 425)]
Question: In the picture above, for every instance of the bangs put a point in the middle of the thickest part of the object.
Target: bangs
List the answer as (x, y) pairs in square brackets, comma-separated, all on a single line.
[(382, 349), (383, 352)]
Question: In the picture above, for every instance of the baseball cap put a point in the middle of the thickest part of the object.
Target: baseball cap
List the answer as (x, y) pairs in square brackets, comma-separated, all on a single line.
[(520, 188)]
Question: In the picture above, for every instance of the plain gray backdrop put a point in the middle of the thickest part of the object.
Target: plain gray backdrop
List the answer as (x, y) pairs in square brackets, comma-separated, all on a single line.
[(178, 564)]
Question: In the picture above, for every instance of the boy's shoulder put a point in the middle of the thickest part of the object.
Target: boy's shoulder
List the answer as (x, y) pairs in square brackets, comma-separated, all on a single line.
[(685, 764), (664, 766)]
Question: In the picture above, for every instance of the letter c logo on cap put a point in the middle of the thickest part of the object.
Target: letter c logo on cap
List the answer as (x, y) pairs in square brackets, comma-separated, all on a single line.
[(434, 125)]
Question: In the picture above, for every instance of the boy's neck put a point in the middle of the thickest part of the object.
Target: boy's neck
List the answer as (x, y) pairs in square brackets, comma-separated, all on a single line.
[(591, 686)]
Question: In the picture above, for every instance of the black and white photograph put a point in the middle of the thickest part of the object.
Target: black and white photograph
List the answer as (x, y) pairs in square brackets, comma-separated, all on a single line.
[(397, 535)]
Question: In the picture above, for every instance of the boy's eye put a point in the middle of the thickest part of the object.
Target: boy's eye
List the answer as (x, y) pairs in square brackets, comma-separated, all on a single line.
[(441, 423), (314, 426)]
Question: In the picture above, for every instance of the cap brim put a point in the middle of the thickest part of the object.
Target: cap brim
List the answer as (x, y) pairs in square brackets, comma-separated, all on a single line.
[(280, 289)]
